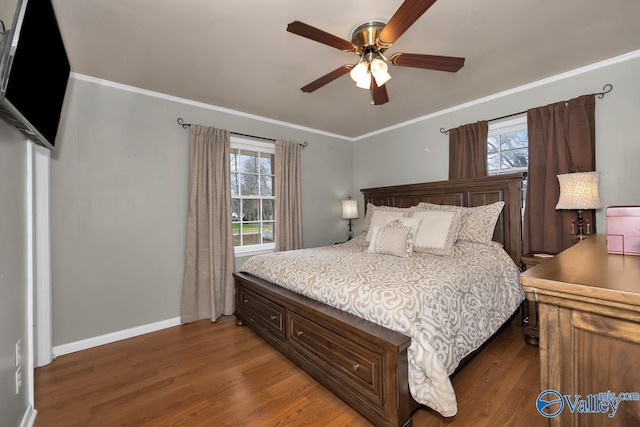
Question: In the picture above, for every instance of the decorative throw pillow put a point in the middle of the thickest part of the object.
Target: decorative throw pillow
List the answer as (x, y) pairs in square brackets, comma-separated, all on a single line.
[(414, 223), (379, 216), (392, 239), (438, 231), (371, 209), (478, 223)]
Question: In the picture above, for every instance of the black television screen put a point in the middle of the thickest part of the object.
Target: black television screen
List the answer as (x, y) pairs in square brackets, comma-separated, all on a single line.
[(35, 71)]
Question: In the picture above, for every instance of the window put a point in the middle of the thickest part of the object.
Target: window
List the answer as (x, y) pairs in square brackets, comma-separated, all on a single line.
[(508, 147), (508, 150), (252, 197)]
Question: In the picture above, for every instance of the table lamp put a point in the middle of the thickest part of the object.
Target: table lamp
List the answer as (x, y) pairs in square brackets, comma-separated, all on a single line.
[(579, 191)]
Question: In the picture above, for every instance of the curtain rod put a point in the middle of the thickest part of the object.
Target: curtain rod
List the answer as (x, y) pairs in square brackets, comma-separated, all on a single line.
[(605, 90), (186, 125)]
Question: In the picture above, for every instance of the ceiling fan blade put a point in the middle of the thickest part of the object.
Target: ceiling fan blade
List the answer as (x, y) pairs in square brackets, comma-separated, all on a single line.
[(431, 62), (305, 30), (327, 78), (378, 93), (405, 16)]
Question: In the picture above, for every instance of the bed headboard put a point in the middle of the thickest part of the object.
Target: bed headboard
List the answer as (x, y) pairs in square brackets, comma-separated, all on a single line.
[(464, 192)]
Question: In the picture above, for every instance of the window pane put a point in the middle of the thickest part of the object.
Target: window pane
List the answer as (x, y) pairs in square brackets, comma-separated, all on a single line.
[(492, 144), (235, 210), (266, 164), (494, 162), (515, 159), (248, 161), (234, 184), (234, 157), (266, 185), (250, 210), (249, 185), (267, 210), (250, 233), (235, 229), (517, 139), (267, 232)]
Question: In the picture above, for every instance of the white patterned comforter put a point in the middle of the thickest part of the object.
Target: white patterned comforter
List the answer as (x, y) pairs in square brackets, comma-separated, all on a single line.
[(449, 306)]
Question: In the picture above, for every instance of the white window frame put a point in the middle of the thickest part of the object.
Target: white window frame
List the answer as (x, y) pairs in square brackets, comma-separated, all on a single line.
[(262, 147), (519, 123)]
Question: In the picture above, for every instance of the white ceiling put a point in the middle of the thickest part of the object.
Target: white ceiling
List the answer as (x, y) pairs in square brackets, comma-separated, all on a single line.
[(237, 54)]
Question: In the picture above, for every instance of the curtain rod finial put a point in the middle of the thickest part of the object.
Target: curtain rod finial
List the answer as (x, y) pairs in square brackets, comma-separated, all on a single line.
[(605, 89), (182, 123), (443, 130)]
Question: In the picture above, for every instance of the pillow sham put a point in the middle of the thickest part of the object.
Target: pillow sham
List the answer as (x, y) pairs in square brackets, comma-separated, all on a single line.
[(392, 239), (379, 216), (437, 232), (371, 209), (478, 223), (414, 223)]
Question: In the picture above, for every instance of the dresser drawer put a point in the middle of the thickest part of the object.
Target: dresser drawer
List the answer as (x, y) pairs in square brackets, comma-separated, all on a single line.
[(264, 313), (348, 362)]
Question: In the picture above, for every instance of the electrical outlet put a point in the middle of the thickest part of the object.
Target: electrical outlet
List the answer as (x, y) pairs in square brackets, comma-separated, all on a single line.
[(18, 353), (18, 379)]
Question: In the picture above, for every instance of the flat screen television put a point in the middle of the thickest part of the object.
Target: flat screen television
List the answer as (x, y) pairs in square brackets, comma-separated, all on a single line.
[(34, 72)]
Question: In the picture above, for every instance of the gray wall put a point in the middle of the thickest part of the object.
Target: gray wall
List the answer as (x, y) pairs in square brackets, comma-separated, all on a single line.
[(399, 156), (13, 271), (119, 184), (119, 194)]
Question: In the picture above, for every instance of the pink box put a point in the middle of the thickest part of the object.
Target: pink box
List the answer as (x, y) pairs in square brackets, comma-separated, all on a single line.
[(623, 230)]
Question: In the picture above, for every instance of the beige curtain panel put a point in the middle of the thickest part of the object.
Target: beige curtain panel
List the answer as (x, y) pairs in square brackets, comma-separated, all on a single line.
[(288, 233), (468, 150), (207, 289)]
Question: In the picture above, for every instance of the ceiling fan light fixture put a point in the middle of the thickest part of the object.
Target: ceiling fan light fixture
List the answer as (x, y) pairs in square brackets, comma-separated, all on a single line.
[(360, 74), (379, 69), (364, 82)]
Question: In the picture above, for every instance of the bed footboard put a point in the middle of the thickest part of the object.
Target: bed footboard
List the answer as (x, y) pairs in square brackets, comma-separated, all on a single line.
[(362, 363)]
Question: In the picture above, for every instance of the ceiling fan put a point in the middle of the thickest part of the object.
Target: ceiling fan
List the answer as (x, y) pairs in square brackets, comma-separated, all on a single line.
[(369, 41)]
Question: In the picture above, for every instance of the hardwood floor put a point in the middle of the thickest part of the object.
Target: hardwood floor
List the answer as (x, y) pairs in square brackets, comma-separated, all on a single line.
[(219, 374)]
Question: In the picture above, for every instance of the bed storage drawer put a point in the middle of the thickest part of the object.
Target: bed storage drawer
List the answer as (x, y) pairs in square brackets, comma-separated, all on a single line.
[(363, 363), (352, 365), (264, 313)]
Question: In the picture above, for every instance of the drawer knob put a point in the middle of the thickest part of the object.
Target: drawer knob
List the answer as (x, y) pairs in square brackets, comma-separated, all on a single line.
[(245, 301), (273, 317), (299, 333), (355, 366)]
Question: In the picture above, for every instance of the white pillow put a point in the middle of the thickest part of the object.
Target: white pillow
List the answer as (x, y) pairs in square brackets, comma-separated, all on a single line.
[(437, 232), (371, 208), (379, 218), (393, 239)]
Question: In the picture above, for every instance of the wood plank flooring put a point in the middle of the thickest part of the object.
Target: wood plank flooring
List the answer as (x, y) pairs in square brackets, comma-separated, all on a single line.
[(219, 374)]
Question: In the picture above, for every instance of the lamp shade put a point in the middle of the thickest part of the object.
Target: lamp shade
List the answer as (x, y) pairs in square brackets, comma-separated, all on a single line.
[(349, 209), (579, 191)]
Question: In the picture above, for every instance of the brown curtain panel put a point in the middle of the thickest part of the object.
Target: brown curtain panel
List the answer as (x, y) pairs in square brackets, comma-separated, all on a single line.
[(561, 140), (288, 226), (468, 150), (207, 288)]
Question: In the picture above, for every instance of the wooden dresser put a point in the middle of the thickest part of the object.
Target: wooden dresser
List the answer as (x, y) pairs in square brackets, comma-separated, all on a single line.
[(589, 324)]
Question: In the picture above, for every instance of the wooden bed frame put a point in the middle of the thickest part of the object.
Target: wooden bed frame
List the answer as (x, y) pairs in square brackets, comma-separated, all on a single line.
[(363, 363)]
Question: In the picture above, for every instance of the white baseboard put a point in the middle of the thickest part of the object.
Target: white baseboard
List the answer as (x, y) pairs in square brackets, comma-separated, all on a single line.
[(29, 418), (59, 350)]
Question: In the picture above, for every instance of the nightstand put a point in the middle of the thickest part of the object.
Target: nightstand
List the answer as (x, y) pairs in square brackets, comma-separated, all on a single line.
[(530, 314)]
